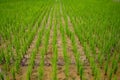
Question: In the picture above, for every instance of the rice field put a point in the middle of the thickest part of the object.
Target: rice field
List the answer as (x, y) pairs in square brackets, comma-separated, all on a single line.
[(59, 40)]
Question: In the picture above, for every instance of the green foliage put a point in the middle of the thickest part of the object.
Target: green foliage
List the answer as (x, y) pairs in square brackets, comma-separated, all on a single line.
[(29, 72), (95, 24), (81, 72), (106, 67), (1, 76), (13, 74)]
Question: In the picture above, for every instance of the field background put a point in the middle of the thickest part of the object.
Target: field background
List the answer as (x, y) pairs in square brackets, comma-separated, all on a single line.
[(59, 40)]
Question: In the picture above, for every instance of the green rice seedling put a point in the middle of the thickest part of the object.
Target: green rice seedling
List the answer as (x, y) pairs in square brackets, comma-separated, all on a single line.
[(40, 70), (100, 59), (108, 57), (114, 65), (96, 75), (81, 71), (55, 55), (54, 65), (7, 59), (66, 59), (110, 74), (85, 48), (29, 71), (28, 75), (13, 74), (54, 73), (74, 44), (93, 69), (119, 58), (39, 40), (67, 67), (115, 77), (2, 56), (78, 62), (93, 66), (32, 62), (106, 67), (47, 40), (54, 76), (92, 44), (1, 76), (17, 63)]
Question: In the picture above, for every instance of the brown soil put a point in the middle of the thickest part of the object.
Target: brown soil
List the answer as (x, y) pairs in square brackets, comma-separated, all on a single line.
[(4, 45)]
